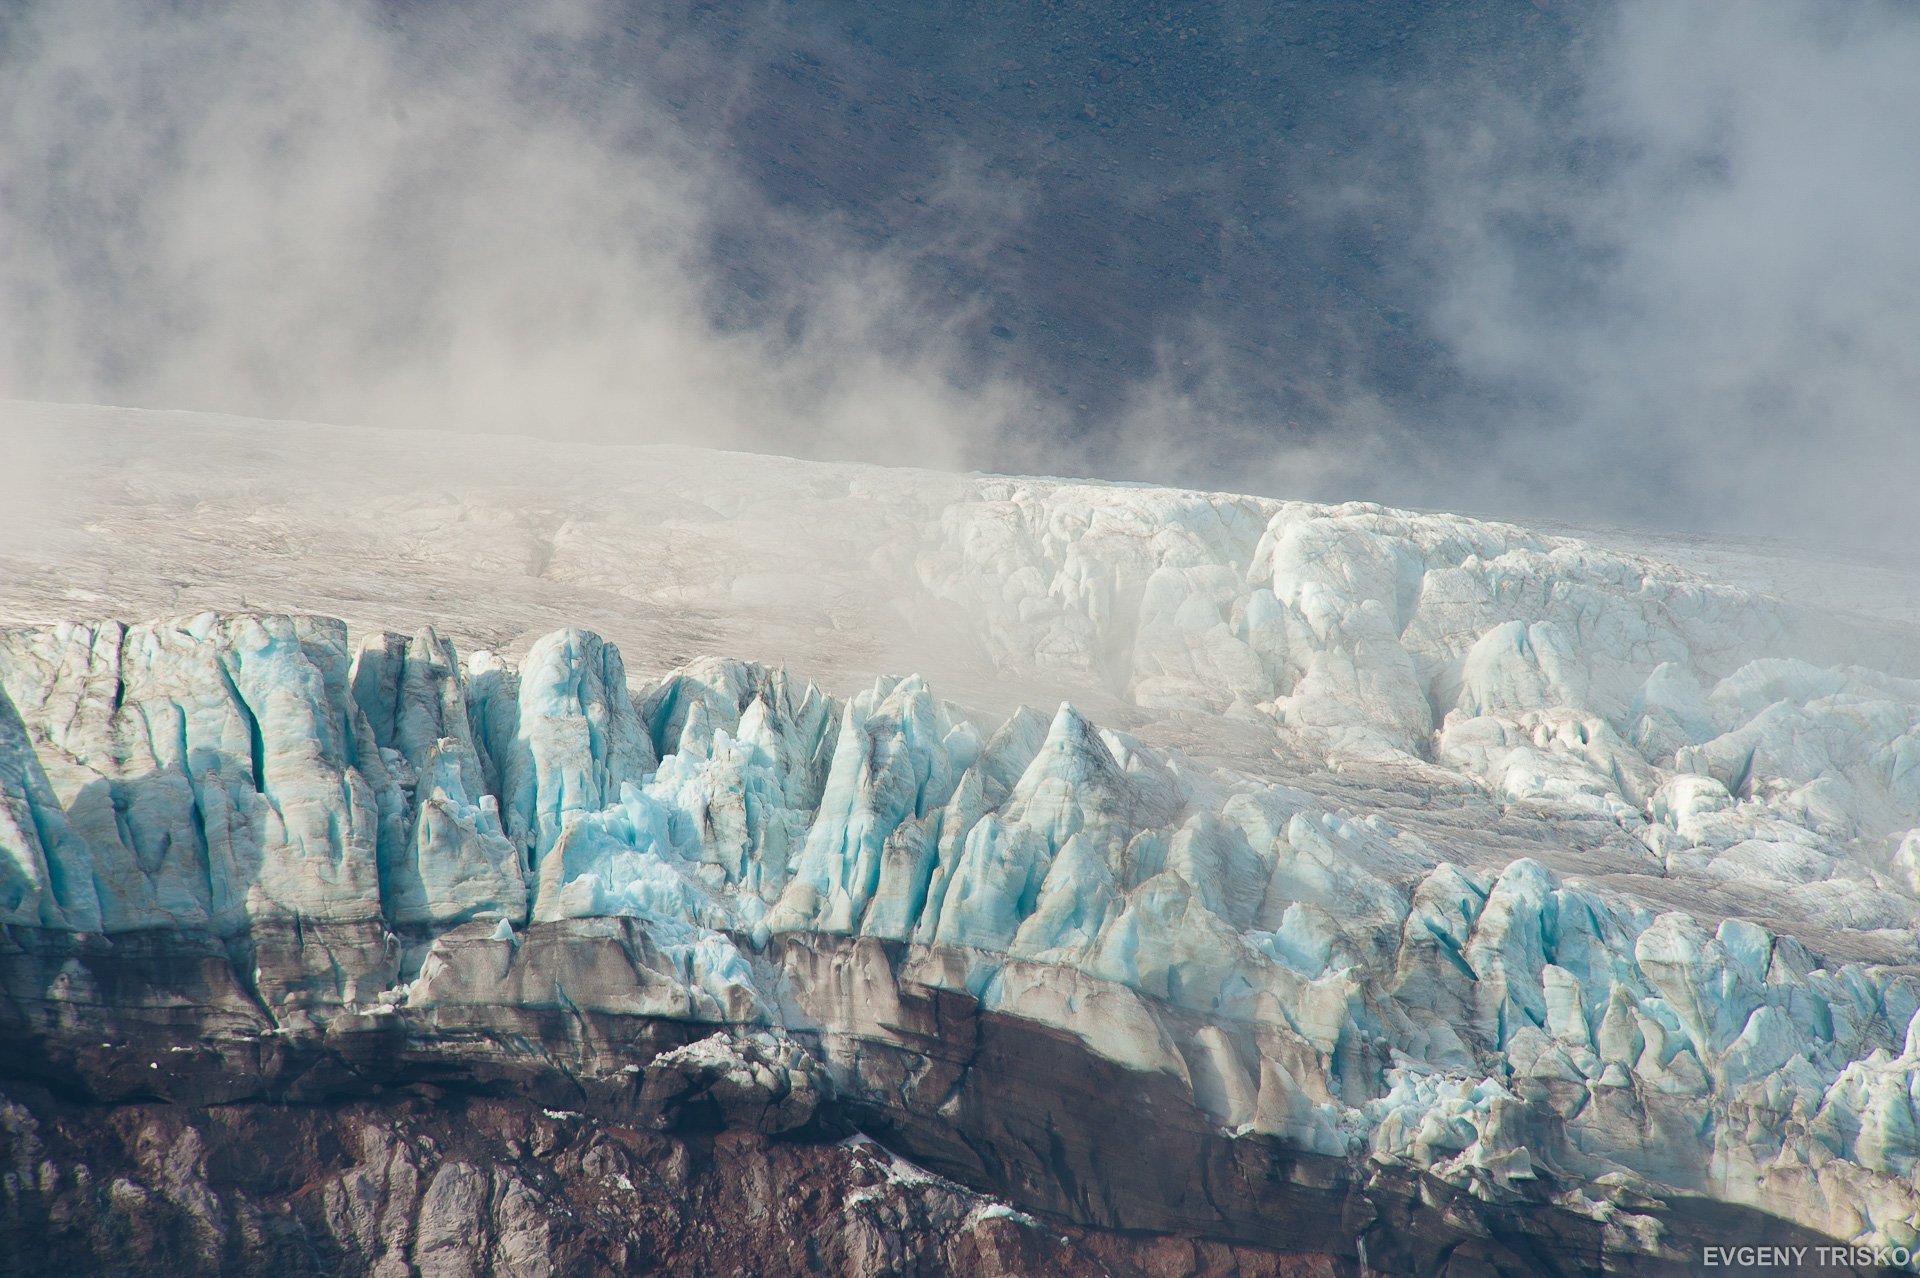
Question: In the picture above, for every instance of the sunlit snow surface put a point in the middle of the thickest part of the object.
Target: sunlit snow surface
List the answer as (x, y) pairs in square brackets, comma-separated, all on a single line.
[(1475, 848)]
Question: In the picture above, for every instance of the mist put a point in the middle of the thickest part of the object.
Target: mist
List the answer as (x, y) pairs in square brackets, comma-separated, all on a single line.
[(319, 213), (1643, 263), (1695, 282)]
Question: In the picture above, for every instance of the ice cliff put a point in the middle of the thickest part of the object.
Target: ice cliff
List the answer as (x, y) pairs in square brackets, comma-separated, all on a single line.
[(1554, 863)]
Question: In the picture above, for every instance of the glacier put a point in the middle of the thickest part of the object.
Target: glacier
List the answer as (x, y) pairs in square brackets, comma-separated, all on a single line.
[(1428, 842)]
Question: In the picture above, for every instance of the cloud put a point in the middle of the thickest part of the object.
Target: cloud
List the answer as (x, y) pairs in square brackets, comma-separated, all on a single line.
[(1666, 253), (1661, 253), (1693, 278), (448, 217)]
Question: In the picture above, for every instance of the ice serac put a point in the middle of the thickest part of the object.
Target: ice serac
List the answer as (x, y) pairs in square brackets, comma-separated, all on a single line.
[(568, 742), (453, 861), (215, 769), (1556, 878), (895, 762), (46, 879)]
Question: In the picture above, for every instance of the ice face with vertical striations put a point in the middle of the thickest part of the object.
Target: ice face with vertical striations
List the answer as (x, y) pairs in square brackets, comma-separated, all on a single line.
[(1554, 861), (454, 860), (210, 768)]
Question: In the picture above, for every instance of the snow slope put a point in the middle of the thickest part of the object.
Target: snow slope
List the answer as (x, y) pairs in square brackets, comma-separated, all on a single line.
[(1467, 847)]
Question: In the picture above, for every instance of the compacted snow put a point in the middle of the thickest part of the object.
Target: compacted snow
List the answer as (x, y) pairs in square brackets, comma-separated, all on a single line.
[(1464, 846)]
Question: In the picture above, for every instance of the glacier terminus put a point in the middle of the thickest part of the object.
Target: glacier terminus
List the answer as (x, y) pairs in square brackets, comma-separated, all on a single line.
[(1368, 854)]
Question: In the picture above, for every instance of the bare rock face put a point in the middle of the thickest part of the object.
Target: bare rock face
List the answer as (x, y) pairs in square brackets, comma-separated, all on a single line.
[(458, 1187), (935, 1136)]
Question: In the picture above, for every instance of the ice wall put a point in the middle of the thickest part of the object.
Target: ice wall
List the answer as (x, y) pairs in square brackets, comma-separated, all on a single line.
[(1531, 967)]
